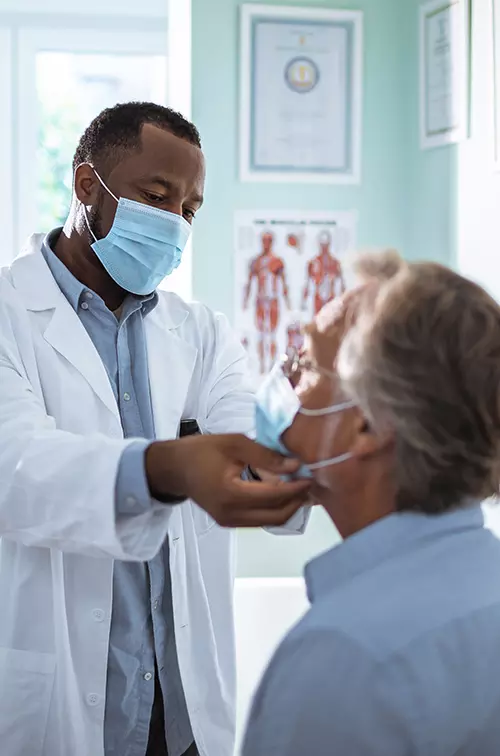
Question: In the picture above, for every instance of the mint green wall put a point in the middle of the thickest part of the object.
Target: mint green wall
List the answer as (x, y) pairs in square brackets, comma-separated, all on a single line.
[(379, 199), (399, 187), (432, 174)]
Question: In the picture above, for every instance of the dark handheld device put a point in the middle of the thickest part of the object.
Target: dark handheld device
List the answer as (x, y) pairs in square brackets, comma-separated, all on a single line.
[(189, 428)]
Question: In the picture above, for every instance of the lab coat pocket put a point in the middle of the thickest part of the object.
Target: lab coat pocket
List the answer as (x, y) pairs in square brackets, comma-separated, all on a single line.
[(26, 682)]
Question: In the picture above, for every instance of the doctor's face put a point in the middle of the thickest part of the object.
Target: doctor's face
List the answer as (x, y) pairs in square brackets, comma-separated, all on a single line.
[(167, 173)]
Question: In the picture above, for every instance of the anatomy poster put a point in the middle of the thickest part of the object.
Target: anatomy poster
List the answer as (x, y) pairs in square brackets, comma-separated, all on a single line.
[(287, 266)]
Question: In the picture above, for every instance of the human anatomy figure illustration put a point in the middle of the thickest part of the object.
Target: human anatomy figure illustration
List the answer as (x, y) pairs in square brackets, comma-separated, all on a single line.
[(268, 270), (294, 337), (295, 241), (324, 279)]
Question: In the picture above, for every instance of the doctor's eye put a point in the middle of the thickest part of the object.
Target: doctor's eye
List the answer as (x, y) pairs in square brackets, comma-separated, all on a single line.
[(154, 198), (189, 215)]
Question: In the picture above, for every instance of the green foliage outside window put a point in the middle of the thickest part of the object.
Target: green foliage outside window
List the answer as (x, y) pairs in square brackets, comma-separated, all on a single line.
[(57, 139)]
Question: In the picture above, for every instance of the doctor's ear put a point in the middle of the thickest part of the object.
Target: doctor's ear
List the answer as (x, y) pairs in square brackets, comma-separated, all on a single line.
[(86, 184)]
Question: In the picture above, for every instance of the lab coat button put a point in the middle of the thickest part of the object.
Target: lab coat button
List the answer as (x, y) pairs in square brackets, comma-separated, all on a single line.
[(92, 699), (98, 615), (148, 676)]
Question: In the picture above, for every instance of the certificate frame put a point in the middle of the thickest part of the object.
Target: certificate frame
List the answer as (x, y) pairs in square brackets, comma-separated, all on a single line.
[(495, 11), (439, 129), (252, 102)]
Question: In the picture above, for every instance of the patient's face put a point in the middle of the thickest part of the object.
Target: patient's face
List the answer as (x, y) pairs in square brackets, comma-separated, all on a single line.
[(313, 439)]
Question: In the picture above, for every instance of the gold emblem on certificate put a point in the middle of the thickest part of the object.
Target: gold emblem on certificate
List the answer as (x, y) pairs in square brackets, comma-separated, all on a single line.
[(302, 75)]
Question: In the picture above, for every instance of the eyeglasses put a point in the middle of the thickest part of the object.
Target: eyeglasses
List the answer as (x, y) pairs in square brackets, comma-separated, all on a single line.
[(293, 364)]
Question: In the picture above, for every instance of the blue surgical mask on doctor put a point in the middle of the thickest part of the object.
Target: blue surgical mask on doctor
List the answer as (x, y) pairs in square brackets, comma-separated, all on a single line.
[(276, 408), (144, 245)]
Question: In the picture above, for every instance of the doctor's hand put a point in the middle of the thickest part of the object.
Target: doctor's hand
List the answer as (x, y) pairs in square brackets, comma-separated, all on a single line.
[(208, 469)]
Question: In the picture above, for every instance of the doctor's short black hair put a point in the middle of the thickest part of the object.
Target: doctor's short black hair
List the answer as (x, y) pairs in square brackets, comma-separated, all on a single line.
[(117, 130)]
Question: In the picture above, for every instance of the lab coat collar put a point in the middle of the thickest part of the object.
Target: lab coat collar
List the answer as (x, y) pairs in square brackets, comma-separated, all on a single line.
[(64, 331), (36, 285)]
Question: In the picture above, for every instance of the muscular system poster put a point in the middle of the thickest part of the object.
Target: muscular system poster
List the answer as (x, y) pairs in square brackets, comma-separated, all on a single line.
[(287, 266)]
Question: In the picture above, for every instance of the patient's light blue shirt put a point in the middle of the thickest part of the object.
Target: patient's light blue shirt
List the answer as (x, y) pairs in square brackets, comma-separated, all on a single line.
[(400, 652)]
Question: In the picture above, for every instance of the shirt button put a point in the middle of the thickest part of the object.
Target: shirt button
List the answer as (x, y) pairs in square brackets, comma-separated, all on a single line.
[(89, 295), (148, 676), (92, 699), (85, 306), (130, 501), (98, 615), (156, 603), (126, 395)]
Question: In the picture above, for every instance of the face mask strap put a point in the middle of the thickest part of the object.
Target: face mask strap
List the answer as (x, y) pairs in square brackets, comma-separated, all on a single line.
[(326, 410), (104, 185), (85, 209), (330, 462)]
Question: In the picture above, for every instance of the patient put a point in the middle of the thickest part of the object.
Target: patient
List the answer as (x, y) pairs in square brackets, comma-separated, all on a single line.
[(396, 415)]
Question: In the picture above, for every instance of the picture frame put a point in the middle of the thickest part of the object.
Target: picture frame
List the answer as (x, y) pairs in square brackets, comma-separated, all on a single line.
[(444, 72), (495, 9), (300, 95)]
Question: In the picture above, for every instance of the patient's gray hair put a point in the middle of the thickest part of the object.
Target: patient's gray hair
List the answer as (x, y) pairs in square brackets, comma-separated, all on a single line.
[(423, 362)]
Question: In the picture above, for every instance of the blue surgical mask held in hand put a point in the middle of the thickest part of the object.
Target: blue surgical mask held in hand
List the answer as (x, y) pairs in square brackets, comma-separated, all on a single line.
[(144, 245), (276, 408)]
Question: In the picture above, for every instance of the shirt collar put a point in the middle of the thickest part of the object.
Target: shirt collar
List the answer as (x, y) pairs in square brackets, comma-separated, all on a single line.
[(383, 540), (73, 290)]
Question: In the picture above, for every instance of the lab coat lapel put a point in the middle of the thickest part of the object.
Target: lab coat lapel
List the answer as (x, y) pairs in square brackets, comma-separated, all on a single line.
[(66, 334), (171, 362), (60, 325)]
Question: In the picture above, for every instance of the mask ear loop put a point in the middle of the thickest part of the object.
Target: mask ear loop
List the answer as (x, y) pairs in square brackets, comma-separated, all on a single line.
[(326, 410), (104, 185), (85, 208), (330, 462)]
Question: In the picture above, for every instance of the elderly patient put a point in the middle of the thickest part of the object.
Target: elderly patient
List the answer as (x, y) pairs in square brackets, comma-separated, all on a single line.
[(395, 413)]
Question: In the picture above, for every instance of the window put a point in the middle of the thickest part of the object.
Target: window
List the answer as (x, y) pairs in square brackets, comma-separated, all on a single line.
[(59, 67), (6, 205), (86, 84), (64, 80)]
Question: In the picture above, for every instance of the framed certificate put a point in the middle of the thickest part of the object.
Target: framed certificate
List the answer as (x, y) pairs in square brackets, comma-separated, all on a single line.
[(496, 80), (301, 95), (444, 72)]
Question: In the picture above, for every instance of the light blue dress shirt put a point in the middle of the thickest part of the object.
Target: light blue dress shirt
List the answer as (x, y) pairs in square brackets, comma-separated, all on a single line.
[(400, 652), (142, 628)]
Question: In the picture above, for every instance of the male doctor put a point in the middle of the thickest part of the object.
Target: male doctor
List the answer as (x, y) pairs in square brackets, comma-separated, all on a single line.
[(116, 634)]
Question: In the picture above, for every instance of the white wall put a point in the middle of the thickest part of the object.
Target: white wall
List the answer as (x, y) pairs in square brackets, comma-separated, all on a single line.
[(478, 216)]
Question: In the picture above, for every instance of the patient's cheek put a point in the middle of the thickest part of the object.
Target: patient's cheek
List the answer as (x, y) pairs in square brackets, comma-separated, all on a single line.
[(298, 438)]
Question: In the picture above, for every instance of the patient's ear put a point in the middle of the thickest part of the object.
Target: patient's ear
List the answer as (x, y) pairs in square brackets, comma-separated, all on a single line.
[(367, 442)]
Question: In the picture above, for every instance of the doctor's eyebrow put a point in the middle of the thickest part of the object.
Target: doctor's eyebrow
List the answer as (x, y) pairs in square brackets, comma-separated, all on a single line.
[(169, 185)]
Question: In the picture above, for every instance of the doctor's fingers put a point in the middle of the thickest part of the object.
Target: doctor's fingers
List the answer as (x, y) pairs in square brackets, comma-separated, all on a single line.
[(247, 503), (259, 457), (270, 516)]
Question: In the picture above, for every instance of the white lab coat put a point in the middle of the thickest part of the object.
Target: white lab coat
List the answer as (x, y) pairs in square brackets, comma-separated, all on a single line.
[(60, 446)]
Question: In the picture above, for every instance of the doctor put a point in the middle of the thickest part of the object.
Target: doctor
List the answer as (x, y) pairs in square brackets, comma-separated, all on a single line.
[(116, 632)]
